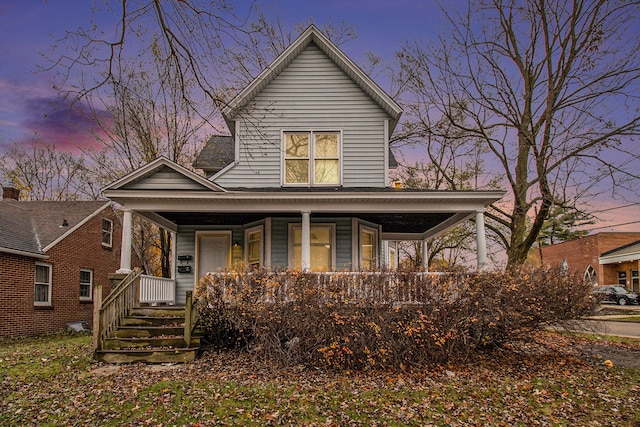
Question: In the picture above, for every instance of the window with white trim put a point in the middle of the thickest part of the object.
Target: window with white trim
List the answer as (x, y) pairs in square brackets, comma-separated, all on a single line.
[(311, 158), (392, 258), (107, 232), (322, 242), (86, 284), (368, 247), (42, 287), (253, 243), (590, 275)]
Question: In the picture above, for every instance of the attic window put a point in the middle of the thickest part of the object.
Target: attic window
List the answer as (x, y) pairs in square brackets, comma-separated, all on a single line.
[(107, 232), (311, 158)]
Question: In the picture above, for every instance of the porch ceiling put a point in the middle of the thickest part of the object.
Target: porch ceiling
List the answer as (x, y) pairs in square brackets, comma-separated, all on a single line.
[(404, 215), (391, 223)]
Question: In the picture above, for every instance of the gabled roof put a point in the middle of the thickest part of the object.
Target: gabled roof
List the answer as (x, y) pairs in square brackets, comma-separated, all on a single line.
[(629, 247), (155, 172), (32, 228), (312, 35), (216, 154)]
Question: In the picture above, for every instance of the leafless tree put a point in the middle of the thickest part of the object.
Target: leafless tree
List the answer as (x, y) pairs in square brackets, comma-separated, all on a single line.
[(157, 87), (549, 88), (212, 48), (42, 172)]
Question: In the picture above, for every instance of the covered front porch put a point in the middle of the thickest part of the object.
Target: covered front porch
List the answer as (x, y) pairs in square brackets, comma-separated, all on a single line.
[(236, 247), (307, 229)]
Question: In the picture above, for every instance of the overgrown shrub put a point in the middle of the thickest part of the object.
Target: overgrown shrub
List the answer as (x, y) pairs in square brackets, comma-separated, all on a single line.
[(382, 319)]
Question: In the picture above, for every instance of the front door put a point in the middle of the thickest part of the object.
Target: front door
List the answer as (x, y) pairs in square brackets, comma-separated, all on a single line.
[(213, 252)]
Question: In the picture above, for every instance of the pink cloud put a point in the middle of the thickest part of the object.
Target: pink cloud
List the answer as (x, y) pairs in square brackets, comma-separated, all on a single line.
[(60, 122)]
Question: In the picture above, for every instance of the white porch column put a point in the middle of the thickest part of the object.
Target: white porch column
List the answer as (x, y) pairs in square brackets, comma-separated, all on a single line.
[(481, 241), (305, 244), (425, 255), (125, 249)]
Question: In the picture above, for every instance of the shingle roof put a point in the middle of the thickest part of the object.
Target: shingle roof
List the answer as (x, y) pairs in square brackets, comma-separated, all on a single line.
[(621, 248), (32, 226), (16, 229), (216, 154)]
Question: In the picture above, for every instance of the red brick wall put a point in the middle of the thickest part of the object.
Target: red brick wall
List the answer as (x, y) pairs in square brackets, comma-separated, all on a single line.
[(82, 249), (16, 294), (579, 253)]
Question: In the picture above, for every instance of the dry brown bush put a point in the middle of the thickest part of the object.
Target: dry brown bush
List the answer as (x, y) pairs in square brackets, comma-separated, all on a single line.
[(382, 319)]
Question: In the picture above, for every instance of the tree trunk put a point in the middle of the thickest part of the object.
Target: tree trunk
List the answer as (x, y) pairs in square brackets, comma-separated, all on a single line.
[(165, 252)]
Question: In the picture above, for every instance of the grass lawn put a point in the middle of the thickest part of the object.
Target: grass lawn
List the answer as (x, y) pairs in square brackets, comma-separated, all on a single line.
[(547, 382)]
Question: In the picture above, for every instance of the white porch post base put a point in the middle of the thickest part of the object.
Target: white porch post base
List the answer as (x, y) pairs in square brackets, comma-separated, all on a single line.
[(125, 250), (305, 244), (481, 241)]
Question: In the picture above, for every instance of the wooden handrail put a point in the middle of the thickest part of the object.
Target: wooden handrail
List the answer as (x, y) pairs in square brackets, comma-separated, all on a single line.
[(107, 315), (190, 317)]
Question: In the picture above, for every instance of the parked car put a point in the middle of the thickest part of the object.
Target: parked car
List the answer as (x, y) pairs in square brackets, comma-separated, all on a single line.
[(614, 293)]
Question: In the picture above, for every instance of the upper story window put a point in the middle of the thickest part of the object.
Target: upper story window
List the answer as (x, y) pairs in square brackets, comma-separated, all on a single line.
[(107, 232), (42, 288), (311, 158)]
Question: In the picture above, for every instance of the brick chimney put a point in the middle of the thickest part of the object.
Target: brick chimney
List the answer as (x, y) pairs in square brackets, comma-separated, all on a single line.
[(10, 193)]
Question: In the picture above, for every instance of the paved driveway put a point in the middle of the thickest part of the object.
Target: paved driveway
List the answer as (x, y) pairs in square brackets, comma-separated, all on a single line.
[(607, 324)]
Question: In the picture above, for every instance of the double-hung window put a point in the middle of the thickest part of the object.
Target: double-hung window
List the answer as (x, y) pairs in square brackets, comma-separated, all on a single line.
[(107, 232), (42, 288), (368, 247), (322, 246), (86, 284), (311, 158), (253, 243)]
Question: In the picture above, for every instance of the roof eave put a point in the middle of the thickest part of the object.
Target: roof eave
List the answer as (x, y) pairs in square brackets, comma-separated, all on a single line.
[(156, 164), (75, 227), (292, 200), (24, 253)]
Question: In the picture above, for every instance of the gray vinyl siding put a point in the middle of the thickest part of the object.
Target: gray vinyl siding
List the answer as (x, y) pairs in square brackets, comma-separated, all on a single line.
[(186, 245), (165, 179), (312, 93), (280, 242), (343, 244)]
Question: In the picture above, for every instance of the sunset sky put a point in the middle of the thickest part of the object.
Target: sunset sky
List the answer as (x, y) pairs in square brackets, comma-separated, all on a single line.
[(28, 28)]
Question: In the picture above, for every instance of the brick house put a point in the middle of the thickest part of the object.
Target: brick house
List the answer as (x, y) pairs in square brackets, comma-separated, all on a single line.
[(605, 258), (51, 256)]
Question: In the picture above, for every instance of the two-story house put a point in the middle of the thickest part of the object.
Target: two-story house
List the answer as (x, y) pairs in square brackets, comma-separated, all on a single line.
[(302, 181)]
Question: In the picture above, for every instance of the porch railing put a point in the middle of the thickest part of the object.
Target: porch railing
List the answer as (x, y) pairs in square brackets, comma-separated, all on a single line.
[(108, 314), (410, 288), (157, 290)]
